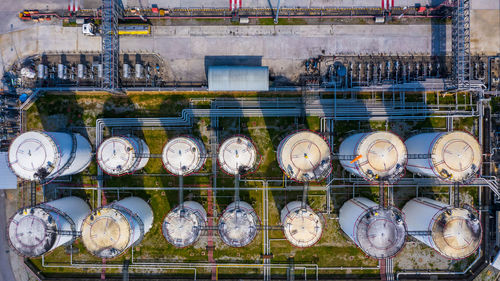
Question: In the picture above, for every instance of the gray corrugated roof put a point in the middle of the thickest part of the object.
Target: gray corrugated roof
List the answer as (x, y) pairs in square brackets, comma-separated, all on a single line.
[(238, 78)]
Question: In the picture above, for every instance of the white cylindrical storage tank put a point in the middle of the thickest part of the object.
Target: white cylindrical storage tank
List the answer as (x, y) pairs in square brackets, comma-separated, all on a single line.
[(381, 156), (110, 230), (122, 155), (126, 71), (237, 155), (238, 224), (304, 156), (34, 231), (61, 69), (452, 156), (453, 232), (302, 226), (183, 225), (138, 70), (184, 155), (42, 71), (39, 155), (81, 70), (100, 70), (379, 232)]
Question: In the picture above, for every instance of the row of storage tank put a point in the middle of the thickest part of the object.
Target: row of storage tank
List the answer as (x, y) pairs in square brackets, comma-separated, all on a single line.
[(304, 156), (109, 231)]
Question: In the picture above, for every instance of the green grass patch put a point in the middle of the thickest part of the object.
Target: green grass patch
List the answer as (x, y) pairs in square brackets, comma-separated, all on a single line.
[(283, 21)]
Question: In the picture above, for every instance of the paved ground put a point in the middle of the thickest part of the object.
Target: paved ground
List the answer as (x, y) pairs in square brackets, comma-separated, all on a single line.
[(283, 48), (185, 48), (44, 38), (5, 268), (485, 26)]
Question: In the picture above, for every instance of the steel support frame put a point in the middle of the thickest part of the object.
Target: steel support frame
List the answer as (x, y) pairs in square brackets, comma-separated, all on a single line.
[(111, 12), (460, 37)]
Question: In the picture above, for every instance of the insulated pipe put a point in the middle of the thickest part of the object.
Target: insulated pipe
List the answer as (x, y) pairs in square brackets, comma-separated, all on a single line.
[(181, 191), (237, 188), (304, 195)]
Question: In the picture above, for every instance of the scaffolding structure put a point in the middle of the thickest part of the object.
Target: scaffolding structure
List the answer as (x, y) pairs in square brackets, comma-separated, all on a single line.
[(111, 12), (461, 45)]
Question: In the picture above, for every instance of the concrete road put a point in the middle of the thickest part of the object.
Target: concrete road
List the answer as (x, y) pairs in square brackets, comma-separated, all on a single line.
[(6, 273), (274, 3), (9, 10)]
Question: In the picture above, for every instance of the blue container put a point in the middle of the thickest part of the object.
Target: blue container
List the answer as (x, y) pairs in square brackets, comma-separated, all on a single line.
[(23, 97)]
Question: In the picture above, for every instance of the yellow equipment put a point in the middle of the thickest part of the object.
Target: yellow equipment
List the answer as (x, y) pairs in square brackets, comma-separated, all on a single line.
[(134, 29)]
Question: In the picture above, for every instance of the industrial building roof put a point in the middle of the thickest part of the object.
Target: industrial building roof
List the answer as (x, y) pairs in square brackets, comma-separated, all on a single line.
[(238, 78)]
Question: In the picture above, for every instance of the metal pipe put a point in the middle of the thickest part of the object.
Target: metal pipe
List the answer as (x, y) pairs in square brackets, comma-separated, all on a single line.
[(304, 196), (181, 193), (277, 12), (237, 188)]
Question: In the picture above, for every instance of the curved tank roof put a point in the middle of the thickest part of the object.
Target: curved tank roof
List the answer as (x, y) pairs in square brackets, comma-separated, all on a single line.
[(106, 233), (40, 156), (381, 233), (118, 155), (183, 226), (237, 155), (302, 226), (33, 231), (183, 155), (305, 156), (382, 155), (456, 155), (238, 224), (32, 154), (456, 233)]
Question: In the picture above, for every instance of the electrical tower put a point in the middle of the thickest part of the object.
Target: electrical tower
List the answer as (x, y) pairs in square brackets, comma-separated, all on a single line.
[(111, 12), (460, 37)]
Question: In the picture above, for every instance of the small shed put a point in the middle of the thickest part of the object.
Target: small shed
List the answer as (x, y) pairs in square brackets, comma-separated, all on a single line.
[(238, 78)]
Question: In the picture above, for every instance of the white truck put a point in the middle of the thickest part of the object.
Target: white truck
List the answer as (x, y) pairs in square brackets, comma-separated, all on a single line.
[(89, 29)]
